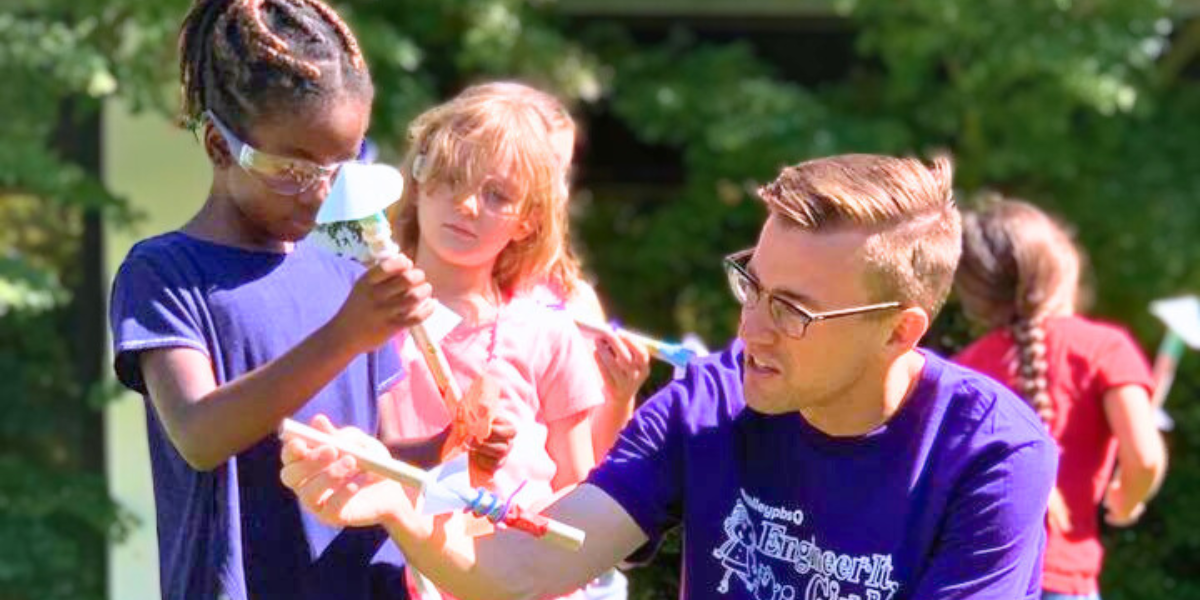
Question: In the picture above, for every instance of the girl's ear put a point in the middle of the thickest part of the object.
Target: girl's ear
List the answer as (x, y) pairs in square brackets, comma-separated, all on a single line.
[(524, 229), (216, 147)]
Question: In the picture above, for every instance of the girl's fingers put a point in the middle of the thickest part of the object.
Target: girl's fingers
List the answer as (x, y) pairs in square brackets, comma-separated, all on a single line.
[(608, 368), (639, 355), (619, 347), (502, 428)]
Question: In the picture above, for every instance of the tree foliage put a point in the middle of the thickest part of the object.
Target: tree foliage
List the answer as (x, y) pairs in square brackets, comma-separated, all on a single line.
[(1069, 103)]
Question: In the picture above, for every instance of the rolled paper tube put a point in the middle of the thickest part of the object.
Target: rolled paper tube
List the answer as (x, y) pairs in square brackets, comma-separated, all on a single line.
[(564, 536), (1170, 350), (674, 354), (384, 467), (555, 532), (377, 233)]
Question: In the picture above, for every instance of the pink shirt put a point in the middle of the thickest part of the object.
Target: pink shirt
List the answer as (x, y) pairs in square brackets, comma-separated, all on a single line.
[(545, 371)]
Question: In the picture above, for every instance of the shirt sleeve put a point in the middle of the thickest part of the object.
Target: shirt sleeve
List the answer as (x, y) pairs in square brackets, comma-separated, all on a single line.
[(993, 536), (644, 470), (150, 309), (570, 382), (1119, 361)]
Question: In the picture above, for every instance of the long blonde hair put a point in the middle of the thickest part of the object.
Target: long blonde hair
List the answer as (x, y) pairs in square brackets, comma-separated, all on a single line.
[(1019, 266), (565, 272), (461, 142)]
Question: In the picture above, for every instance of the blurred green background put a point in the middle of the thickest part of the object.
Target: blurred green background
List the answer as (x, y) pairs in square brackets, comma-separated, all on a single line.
[(1087, 107)]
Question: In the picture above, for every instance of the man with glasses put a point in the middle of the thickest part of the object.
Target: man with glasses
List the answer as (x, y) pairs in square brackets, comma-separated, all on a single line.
[(822, 456)]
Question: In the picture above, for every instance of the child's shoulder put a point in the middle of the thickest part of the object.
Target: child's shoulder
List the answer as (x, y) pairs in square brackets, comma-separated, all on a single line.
[(547, 333), (175, 246), (160, 246), (1075, 326), (167, 257), (531, 315), (1086, 336), (178, 259)]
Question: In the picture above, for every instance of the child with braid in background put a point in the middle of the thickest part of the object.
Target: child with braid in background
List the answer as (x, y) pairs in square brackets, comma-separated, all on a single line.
[(228, 325), (1088, 381)]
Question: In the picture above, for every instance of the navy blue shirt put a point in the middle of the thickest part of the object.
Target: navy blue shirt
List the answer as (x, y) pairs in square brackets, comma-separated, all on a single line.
[(237, 529)]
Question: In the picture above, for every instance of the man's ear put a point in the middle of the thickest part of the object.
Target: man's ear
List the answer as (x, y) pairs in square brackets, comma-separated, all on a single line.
[(216, 147), (908, 328)]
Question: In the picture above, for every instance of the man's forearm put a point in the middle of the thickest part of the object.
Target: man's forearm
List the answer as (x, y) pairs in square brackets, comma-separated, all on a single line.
[(512, 565), (454, 562)]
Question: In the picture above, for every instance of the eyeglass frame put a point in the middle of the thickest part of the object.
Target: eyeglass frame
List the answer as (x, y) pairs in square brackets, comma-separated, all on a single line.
[(243, 154), (458, 195), (734, 268)]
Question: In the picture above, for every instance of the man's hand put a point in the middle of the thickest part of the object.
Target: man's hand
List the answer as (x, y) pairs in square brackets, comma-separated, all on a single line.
[(330, 484)]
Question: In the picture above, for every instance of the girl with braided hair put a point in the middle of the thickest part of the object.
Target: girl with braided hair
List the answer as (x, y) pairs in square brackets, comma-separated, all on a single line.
[(1088, 381), (228, 325)]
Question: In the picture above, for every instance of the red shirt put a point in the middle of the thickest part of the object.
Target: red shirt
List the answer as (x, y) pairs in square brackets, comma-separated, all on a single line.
[(1085, 359)]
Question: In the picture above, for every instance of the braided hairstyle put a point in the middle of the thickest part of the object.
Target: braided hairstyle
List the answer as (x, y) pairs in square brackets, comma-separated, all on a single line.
[(1019, 267), (247, 59)]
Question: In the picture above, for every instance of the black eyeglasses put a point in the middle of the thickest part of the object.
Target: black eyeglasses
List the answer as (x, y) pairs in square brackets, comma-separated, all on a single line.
[(788, 317)]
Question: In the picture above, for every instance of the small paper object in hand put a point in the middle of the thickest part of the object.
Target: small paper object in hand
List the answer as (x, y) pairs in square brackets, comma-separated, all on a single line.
[(446, 489), (1182, 318), (676, 354)]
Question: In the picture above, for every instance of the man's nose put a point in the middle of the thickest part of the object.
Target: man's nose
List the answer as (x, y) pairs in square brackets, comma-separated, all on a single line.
[(756, 325)]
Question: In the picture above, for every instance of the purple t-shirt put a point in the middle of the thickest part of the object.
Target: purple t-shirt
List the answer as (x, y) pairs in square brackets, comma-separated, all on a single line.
[(945, 500), (236, 528)]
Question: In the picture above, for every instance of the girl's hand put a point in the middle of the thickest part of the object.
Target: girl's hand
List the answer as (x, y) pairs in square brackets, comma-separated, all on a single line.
[(1057, 512), (624, 363), (1117, 512), (331, 486), (487, 455), (390, 296)]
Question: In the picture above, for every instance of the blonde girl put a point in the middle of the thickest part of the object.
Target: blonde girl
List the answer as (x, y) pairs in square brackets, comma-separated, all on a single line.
[(484, 217)]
